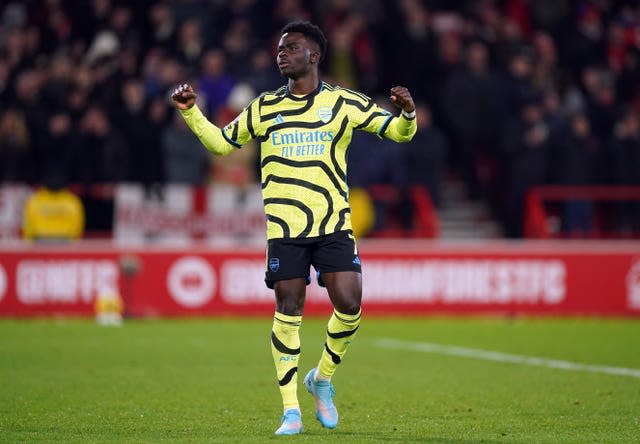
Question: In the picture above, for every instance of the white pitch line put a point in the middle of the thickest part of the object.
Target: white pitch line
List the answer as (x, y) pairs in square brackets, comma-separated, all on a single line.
[(487, 355)]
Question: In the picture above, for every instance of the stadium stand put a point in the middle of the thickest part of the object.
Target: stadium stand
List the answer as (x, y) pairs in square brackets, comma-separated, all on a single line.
[(522, 94)]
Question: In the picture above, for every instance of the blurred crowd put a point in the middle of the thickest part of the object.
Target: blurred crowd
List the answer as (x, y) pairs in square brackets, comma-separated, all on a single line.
[(511, 93)]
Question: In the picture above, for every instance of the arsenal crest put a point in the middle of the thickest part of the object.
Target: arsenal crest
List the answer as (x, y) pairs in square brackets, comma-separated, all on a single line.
[(325, 113)]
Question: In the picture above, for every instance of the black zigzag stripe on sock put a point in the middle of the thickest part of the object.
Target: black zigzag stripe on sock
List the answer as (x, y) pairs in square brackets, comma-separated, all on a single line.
[(335, 358), (282, 321), (283, 348), (342, 334), (286, 379), (347, 321)]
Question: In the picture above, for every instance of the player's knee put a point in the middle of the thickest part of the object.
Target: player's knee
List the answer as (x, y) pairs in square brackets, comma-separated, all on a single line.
[(289, 307), (348, 307), (289, 301)]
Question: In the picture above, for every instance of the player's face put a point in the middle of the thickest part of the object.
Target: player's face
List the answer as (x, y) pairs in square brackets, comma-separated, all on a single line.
[(295, 55)]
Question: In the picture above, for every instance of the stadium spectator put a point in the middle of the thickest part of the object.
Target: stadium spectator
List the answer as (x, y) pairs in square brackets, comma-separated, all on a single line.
[(150, 71), (527, 150), (27, 98), (509, 41), (55, 22), (416, 40), (585, 46), (262, 76), (215, 82), (556, 114), (237, 43), (5, 72), (190, 44), (286, 11), (351, 60), (59, 82), (625, 156), (342, 63), (387, 165), (471, 110), (257, 13), (516, 86), (169, 73), (427, 155), (601, 104), (139, 133), (81, 92), (16, 157), (550, 15), (546, 73), (578, 161), (162, 23), (185, 161), (53, 213), (55, 152), (121, 23), (102, 154), (449, 58), (520, 13), (159, 114)]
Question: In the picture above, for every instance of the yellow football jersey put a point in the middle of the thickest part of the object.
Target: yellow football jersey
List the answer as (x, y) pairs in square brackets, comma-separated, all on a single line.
[(53, 215), (303, 145)]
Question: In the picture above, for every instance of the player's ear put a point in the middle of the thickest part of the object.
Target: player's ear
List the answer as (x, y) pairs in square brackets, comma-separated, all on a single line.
[(314, 57)]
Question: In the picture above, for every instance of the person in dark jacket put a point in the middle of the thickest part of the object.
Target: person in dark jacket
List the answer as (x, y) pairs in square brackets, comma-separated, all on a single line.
[(577, 162), (526, 150), (625, 161)]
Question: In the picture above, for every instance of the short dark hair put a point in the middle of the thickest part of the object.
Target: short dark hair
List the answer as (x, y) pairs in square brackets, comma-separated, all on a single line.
[(308, 30)]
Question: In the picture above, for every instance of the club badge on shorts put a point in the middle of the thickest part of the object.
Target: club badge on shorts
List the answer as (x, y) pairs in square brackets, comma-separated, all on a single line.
[(274, 264)]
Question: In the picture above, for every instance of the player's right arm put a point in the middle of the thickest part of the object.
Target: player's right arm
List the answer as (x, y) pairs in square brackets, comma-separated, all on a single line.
[(220, 141)]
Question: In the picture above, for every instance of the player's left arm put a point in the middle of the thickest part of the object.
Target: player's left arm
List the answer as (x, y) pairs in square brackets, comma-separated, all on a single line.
[(376, 120), (402, 128)]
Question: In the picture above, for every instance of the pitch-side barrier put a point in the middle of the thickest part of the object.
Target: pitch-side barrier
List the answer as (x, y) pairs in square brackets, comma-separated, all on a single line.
[(594, 278)]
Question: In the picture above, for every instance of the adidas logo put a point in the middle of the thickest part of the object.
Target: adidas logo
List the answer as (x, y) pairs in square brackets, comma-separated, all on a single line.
[(279, 118), (356, 260)]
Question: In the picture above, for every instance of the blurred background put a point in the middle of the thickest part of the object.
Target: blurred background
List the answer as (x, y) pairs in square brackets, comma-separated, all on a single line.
[(528, 111)]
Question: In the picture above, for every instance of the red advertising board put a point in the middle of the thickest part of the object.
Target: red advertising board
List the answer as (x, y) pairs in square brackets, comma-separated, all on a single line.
[(399, 277)]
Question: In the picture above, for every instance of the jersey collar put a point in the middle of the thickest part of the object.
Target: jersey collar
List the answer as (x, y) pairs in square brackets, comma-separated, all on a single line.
[(313, 93)]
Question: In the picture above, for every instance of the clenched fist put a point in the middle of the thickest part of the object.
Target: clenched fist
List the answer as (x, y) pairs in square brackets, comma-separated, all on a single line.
[(401, 98), (183, 97)]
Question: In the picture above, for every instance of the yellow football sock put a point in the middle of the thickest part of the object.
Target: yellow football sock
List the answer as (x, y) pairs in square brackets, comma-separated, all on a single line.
[(340, 332), (285, 348)]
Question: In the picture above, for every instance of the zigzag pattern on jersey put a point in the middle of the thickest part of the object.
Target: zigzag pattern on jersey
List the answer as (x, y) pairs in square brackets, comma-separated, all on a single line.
[(322, 229), (333, 171), (281, 94), (290, 112), (311, 186), (312, 125)]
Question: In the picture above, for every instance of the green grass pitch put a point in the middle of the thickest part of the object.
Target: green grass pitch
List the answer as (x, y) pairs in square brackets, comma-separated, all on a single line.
[(212, 380)]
